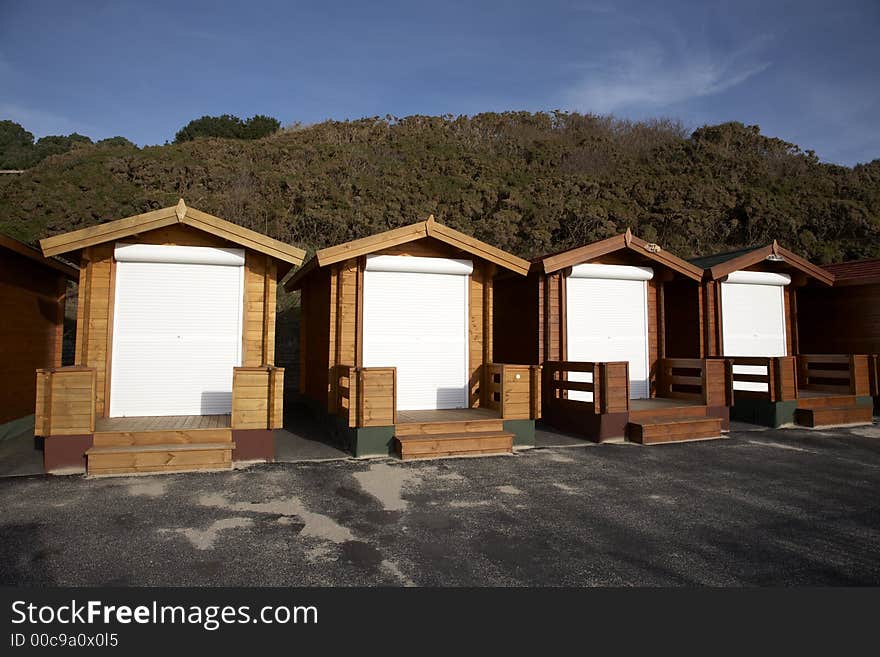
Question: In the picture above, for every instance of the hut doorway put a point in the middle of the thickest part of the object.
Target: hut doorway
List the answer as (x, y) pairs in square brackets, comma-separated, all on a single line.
[(607, 320), (177, 329), (415, 318)]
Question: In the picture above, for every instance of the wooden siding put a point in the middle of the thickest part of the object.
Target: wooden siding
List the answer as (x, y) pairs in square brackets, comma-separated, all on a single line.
[(258, 334), (376, 396), (839, 320), (257, 394), (32, 300), (64, 401), (316, 329), (517, 331), (682, 319), (513, 390)]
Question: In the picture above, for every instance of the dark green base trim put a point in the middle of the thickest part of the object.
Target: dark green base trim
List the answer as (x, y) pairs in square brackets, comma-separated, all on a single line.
[(523, 432), (864, 401), (765, 413), (372, 441)]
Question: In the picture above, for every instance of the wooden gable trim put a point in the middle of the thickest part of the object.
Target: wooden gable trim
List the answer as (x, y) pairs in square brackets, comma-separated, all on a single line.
[(625, 240), (121, 228), (761, 253), (31, 253), (422, 229)]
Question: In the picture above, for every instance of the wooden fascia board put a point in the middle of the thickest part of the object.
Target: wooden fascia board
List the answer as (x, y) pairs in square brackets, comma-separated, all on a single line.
[(756, 255), (667, 259), (244, 236), (121, 228), (817, 272), (583, 253), (295, 282), (371, 243), (113, 230), (760, 254), (481, 249), (31, 253)]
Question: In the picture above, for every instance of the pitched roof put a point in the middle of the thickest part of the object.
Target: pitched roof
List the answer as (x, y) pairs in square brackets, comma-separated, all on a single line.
[(411, 233), (182, 214), (561, 260), (720, 265), (28, 251), (856, 272)]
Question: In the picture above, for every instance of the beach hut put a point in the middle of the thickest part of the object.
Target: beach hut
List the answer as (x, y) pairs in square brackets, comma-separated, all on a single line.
[(615, 324), (33, 291), (845, 318), (174, 353), (396, 345), (751, 304)]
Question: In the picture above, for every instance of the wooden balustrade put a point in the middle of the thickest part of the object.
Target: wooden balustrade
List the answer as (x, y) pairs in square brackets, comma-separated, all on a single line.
[(366, 396), (606, 391), (848, 374), (771, 378), (514, 390), (65, 403), (708, 381), (257, 397)]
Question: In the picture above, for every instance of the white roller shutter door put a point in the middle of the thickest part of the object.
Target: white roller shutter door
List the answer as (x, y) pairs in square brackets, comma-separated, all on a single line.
[(177, 325), (753, 320), (416, 319), (607, 320)]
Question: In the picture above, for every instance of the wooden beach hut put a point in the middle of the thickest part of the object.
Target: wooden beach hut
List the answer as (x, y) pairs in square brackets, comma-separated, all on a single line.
[(751, 304), (174, 346), (396, 345), (615, 325), (33, 291), (845, 318)]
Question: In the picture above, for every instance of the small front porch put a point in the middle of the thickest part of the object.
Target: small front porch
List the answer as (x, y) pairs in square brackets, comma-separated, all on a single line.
[(592, 399), (506, 402)]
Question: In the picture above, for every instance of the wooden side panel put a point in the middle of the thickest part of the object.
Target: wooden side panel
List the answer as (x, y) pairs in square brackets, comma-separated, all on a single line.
[(615, 387), (553, 319), (839, 320), (860, 379), (66, 401), (42, 406), (377, 396), (653, 335), (257, 394), (346, 312), (517, 330), (315, 324), (785, 378), (516, 396), (32, 309), (789, 324), (96, 321), (711, 310), (717, 383), (254, 303), (476, 325)]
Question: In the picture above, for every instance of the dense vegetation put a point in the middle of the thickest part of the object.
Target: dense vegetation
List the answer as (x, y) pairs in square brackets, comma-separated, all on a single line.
[(18, 150), (228, 127), (526, 182)]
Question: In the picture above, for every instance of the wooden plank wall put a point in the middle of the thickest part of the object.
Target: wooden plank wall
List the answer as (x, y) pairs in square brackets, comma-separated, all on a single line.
[(258, 335), (316, 330), (32, 308), (839, 320), (553, 321), (257, 397), (64, 401), (377, 396), (516, 304)]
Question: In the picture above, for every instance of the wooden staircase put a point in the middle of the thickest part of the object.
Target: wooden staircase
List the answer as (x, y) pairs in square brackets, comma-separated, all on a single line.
[(831, 410), (133, 452), (421, 440), (671, 425)]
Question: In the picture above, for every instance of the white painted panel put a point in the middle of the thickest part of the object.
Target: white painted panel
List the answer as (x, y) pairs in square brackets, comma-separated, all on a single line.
[(420, 265), (758, 278), (753, 319), (176, 337), (607, 320), (181, 255), (418, 323), (616, 272)]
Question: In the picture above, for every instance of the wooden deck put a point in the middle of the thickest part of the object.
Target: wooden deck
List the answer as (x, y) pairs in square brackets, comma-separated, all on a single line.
[(162, 423), (446, 415), (658, 403)]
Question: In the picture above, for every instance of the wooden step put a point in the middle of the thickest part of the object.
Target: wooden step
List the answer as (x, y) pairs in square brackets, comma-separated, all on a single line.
[(838, 401), (162, 437), (826, 416), (668, 412), (652, 431), (454, 444), (131, 459), (448, 427)]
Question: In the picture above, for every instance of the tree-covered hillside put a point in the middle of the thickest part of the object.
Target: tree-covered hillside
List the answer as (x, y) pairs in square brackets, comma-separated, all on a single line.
[(529, 183)]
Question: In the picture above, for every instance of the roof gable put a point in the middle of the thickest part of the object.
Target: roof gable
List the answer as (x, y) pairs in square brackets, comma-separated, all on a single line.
[(737, 260), (627, 240), (121, 228), (28, 251), (402, 235)]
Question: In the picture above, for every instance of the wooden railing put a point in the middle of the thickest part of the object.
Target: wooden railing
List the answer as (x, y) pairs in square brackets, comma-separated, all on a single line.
[(257, 397), (844, 374), (366, 396), (874, 375), (593, 387), (65, 402), (708, 381), (514, 390), (771, 378)]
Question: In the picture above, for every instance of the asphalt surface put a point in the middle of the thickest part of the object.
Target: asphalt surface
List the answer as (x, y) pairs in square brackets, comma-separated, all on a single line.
[(777, 507)]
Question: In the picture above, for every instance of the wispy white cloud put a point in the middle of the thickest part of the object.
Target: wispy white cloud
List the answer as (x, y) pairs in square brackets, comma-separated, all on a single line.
[(656, 75)]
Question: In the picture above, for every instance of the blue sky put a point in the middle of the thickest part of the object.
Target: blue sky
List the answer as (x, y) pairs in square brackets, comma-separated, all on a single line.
[(804, 71)]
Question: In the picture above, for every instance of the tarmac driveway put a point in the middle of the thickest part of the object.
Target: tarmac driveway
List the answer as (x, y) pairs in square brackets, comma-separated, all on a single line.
[(759, 508)]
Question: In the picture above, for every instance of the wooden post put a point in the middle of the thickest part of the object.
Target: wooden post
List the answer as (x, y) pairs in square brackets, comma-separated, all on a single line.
[(270, 408)]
